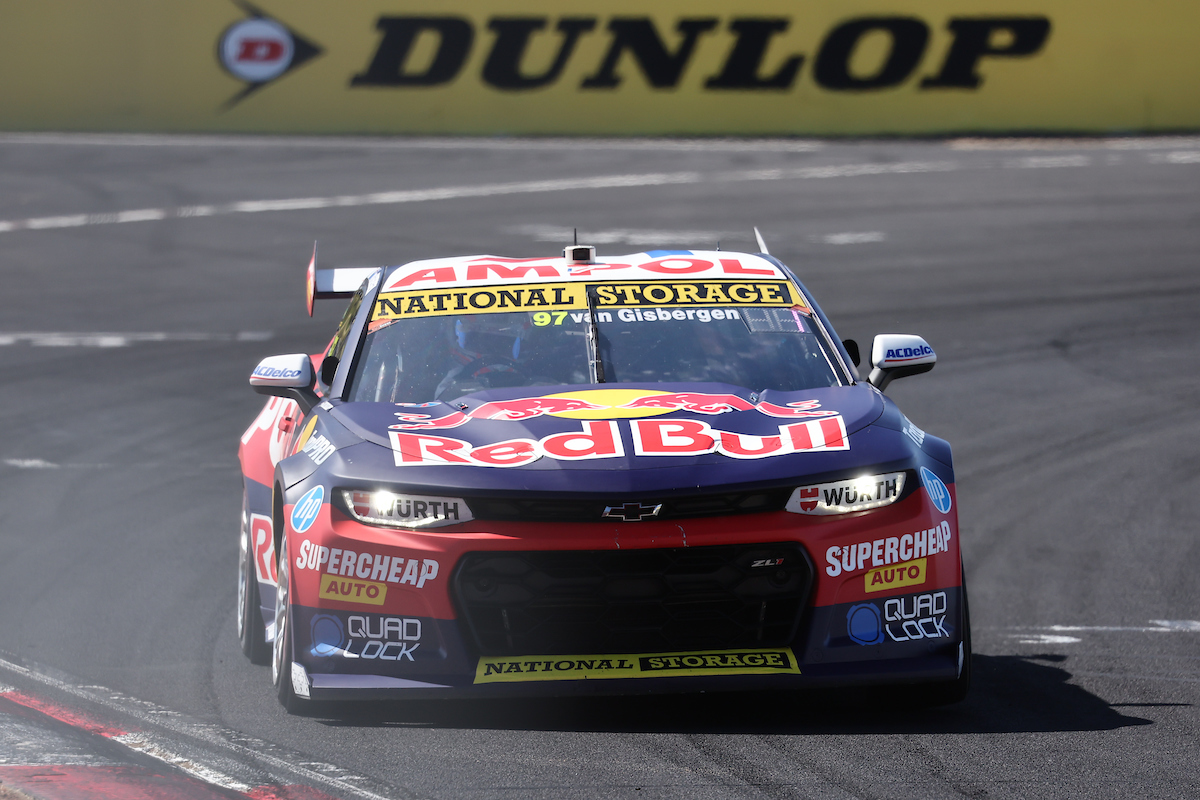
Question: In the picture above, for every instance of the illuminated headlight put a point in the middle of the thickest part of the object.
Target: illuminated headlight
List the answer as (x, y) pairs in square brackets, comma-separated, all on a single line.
[(842, 497), (405, 510)]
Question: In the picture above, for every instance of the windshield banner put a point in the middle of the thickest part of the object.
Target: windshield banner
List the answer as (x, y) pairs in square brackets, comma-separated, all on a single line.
[(566, 297)]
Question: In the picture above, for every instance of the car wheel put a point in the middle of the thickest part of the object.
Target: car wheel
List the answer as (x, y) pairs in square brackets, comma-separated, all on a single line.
[(250, 628), (281, 652), (955, 691)]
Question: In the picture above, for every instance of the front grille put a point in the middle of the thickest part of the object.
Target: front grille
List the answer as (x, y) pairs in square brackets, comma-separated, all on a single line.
[(589, 510), (633, 601)]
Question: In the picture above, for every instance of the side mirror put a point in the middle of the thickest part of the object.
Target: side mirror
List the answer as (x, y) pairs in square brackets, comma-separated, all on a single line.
[(898, 355), (289, 376), (329, 370), (852, 351)]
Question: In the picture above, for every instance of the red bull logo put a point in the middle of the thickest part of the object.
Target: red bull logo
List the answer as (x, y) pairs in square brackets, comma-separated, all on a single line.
[(602, 439), (606, 404), (527, 407), (695, 402)]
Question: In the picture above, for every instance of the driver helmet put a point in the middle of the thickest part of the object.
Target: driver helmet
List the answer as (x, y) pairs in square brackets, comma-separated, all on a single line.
[(481, 336)]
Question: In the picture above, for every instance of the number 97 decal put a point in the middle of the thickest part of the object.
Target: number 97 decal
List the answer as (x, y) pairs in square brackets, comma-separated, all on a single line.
[(544, 318)]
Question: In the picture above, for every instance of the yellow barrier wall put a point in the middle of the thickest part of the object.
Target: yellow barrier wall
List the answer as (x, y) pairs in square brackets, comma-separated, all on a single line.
[(624, 67)]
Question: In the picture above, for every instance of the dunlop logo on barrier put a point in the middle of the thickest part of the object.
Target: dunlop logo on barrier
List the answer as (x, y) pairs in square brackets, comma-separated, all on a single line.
[(672, 67), (573, 297), (663, 57), (654, 665)]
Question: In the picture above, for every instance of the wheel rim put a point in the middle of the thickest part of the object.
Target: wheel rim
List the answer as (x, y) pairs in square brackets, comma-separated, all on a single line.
[(278, 652)]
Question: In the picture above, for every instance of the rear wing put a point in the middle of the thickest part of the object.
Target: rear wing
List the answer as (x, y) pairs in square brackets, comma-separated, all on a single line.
[(323, 284)]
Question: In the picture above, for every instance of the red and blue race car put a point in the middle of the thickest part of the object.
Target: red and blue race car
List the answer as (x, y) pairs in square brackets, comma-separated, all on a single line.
[(656, 472)]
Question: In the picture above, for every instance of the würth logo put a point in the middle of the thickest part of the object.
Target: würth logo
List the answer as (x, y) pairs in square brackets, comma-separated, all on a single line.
[(633, 512), (259, 50)]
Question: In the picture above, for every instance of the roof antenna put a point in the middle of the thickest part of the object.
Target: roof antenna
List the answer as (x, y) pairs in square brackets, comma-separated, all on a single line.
[(718, 245), (762, 246), (576, 230)]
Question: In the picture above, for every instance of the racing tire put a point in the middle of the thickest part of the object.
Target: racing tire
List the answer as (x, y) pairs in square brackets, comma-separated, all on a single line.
[(281, 651), (955, 691), (250, 627)]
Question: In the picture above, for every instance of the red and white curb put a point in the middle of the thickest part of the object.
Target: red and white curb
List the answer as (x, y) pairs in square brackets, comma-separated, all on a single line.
[(227, 761)]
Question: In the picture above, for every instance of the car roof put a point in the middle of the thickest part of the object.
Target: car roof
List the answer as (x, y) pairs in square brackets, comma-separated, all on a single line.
[(652, 265)]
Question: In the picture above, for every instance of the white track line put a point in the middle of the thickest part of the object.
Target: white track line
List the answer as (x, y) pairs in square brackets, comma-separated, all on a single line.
[(1049, 162), (152, 747), (63, 339), (1054, 634), (1055, 143), (1177, 157), (546, 186), (243, 748), (1043, 638), (633, 236), (865, 237), (1160, 626), (482, 190)]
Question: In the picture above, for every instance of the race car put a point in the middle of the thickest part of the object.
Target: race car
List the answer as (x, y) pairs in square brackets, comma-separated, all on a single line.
[(653, 472)]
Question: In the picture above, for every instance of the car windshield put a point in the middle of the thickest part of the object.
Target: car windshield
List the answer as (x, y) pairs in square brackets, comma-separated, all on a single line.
[(427, 358)]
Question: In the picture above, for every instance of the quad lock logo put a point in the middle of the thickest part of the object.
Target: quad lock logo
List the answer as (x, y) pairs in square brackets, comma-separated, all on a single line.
[(904, 619), (368, 637), (417, 52)]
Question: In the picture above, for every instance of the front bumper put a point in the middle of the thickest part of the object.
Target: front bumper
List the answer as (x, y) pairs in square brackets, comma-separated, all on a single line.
[(393, 614)]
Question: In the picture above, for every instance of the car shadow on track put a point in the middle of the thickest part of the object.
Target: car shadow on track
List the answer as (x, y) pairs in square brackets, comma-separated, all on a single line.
[(1009, 694)]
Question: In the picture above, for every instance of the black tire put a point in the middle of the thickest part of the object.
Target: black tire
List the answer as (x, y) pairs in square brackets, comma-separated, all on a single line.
[(955, 691), (281, 651), (251, 631)]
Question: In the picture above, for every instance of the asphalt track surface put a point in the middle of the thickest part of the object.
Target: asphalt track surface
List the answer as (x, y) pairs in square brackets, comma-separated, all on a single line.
[(1059, 282)]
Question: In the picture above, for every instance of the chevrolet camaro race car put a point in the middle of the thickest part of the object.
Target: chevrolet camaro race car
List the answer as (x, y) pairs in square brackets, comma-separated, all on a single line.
[(656, 472)]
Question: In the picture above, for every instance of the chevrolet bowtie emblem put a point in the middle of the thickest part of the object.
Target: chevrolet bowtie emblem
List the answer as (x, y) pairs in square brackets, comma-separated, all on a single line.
[(633, 512)]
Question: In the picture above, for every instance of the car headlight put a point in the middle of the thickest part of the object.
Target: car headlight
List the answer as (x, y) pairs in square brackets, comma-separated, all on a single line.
[(393, 510), (843, 497)]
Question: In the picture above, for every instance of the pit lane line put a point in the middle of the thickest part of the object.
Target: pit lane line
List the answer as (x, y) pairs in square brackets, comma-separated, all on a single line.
[(560, 185), (242, 754)]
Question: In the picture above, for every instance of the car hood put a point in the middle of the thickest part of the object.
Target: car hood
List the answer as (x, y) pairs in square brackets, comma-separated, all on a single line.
[(629, 438)]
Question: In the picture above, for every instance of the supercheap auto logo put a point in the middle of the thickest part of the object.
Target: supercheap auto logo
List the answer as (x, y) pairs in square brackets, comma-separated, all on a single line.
[(362, 577)]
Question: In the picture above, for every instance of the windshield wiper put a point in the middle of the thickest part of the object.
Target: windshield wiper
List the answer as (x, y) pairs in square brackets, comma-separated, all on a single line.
[(595, 362)]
